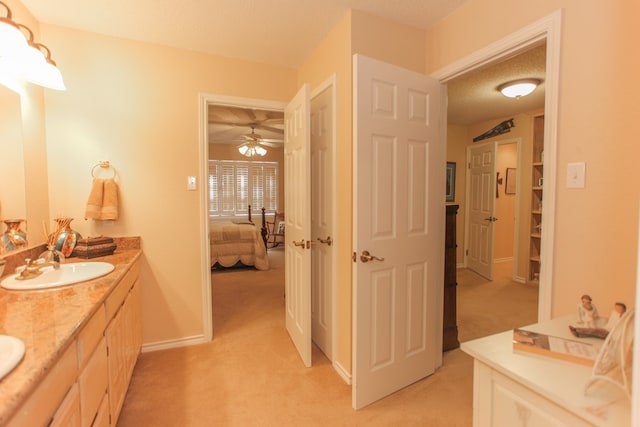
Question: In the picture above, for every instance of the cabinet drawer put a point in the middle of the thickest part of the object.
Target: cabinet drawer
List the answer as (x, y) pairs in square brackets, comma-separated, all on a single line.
[(102, 418), (114, 301), (93, 383), (90, 336), (500, 401), (68, 413), (42, 404)]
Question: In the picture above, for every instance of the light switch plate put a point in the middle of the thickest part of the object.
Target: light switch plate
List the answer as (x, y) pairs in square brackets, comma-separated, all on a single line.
[(576, 175), (191, 183)]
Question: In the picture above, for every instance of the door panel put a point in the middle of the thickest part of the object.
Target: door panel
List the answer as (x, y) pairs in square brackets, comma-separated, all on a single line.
[(482, 184), (298, 223), (399, 184), (322, 188)]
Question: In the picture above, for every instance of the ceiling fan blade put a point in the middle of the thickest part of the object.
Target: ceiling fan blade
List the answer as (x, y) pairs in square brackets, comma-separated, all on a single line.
[(270, 129), (271, 144)]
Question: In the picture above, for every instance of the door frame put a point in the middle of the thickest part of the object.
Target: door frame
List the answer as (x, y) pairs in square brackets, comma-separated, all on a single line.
[(204, 100), (548, 28)]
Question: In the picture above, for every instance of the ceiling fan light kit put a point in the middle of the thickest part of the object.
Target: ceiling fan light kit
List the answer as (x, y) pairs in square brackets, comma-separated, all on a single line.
[(518, 88), (252, 149)]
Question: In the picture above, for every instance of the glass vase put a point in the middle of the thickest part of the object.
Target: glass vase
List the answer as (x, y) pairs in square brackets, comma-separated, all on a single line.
[(67, 238), (52, 255), (13, 237)]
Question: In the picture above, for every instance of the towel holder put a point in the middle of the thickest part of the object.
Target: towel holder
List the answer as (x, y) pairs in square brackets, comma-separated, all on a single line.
[(103, 165)]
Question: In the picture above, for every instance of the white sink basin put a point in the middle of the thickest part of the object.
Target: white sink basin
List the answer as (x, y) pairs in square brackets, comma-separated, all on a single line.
[(67, 274), (11, 352)]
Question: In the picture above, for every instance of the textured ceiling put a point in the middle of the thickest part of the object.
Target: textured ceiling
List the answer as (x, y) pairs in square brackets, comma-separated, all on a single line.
[(474, 97), (284, 32)]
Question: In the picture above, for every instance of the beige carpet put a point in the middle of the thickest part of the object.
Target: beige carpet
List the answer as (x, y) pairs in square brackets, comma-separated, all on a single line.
[(251, 375)]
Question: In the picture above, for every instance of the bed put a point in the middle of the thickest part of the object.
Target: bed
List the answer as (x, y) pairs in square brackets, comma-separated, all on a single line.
[(232, 242)]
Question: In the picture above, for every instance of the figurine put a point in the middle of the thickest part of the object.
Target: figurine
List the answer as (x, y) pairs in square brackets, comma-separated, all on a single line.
[(587, 312), (618, 310)]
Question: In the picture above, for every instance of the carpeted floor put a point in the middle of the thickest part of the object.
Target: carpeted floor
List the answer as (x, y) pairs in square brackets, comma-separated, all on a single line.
[(250, 374)]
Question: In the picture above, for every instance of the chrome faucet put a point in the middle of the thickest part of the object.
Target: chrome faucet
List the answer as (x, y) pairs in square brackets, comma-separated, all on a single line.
[(33, 268)]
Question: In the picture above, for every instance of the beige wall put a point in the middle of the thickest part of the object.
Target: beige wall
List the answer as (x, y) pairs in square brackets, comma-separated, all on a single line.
[(505, 204), (457, 141), (136, 105), (333, 57), (596, 227)]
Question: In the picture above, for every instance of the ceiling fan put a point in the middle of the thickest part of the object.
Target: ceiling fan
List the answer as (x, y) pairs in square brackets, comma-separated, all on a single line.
[(254, 144)]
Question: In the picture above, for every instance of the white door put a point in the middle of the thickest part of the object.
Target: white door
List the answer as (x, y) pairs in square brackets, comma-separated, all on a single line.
[(322, 188), (481, 206), (399, 191), (297, 205)]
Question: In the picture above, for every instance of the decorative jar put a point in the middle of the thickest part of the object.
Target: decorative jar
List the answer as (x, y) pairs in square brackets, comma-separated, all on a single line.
[(67, 238), (13, 237)]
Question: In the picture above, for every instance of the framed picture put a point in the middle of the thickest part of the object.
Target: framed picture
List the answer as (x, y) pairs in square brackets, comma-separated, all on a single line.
[(510, 185), (451, 181)]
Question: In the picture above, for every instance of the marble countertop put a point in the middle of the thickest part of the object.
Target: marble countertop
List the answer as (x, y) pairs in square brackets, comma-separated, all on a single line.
[(47, 321)]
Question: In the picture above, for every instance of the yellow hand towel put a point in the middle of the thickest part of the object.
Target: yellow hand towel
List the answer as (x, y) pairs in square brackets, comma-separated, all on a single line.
[(103, 200), (109, 200)]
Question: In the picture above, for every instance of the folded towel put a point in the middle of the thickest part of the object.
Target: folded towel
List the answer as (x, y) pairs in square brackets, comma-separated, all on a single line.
[(103, 200)]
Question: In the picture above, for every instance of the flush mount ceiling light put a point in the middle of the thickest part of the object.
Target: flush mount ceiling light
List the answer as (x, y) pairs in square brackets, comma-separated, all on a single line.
[(518, 88)]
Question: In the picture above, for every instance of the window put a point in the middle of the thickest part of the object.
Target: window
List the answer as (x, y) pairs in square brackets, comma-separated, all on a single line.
[(234, 185)]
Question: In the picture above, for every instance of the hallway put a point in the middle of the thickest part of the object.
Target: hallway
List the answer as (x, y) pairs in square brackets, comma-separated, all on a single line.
[(250, 374)]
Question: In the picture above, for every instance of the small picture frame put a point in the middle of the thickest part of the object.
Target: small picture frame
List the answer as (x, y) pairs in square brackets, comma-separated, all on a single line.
[(510, 184), (451, 182)]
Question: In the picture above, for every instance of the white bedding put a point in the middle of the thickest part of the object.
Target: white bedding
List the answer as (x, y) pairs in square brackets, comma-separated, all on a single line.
[(231, 243)]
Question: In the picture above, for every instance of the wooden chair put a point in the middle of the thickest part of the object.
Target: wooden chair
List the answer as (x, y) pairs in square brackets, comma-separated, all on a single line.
[(275, 230)]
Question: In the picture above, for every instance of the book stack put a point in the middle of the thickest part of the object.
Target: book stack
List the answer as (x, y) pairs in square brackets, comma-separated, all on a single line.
[(93, 247)]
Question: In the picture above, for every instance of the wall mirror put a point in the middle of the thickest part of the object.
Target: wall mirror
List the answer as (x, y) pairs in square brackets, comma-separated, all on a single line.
[(12, 168)]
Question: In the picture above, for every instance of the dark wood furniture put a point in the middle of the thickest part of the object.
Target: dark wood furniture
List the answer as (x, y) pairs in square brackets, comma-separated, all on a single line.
[(449, 320)]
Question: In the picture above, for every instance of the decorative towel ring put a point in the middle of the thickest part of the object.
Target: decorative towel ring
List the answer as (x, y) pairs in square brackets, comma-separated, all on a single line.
[(103, 165)]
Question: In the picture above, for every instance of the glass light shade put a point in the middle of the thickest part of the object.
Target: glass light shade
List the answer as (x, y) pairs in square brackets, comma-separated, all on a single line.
[(252, 149), (37, 69), (12, 40), (518, 88)]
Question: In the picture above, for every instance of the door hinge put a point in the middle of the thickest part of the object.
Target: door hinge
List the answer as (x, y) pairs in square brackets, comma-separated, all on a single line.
[(466, 252), (354, 257)]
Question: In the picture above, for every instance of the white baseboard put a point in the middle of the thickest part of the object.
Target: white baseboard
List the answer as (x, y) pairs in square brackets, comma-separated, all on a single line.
[(346, 377), (519, 279), (182, 342)]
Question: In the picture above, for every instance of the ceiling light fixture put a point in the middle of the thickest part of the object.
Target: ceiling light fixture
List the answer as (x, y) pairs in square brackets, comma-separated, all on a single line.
[(23, 58), (251, 149), (518, 88)]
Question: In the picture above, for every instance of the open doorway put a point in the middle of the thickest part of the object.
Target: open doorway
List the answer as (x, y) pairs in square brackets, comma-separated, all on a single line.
[(231, 124), (545, 32)]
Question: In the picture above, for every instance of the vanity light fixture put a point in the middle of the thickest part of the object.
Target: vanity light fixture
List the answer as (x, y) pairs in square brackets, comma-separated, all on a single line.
[(22, 58), (38, 67), (251, 149), (518, 88), (12, 41)]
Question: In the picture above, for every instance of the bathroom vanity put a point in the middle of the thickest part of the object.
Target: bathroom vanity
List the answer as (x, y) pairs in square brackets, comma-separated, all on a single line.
[(82, 342)]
